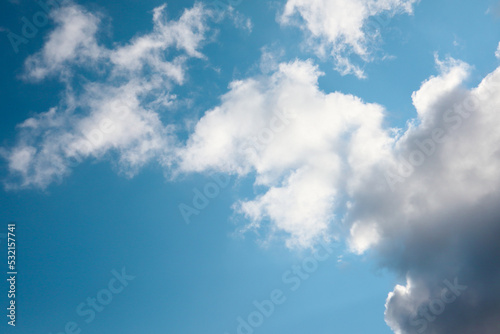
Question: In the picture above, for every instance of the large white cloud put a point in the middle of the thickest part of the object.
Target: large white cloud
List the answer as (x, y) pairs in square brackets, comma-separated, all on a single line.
[(339, 28), (437, 219), (306, 147), (423, 199)]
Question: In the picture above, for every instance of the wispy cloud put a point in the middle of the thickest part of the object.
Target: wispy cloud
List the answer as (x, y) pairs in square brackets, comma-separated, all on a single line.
[(339, 28), (117, 113), (72, 42)]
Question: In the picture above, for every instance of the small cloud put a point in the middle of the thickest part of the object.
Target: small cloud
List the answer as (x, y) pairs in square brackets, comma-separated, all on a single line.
[(497, 53), (240, 21), (363, 237), (340, 30), (270, 58)]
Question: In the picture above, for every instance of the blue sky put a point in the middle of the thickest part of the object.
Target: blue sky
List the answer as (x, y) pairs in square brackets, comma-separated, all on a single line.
[(116, 115)]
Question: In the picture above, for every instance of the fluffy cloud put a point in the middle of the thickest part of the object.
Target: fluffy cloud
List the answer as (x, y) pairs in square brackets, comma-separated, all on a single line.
[(424, 200), (306, 147), (116, 114), (73, 41), (338, 28), (436, 224)]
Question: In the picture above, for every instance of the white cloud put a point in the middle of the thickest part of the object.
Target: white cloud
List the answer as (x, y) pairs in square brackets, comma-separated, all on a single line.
[(338, 28), (434, 220), (497, 53), (186, 34), (363, 237), (452, 74), (309, 149), (51, 143), (305, 146), (115, 114), (437, 221), (73, 41)]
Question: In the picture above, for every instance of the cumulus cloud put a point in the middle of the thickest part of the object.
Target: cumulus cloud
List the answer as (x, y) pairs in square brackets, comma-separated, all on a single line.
[(497, 53), (339, 28), (422, 199), (436, 224), (116, 114), (305, 147)]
